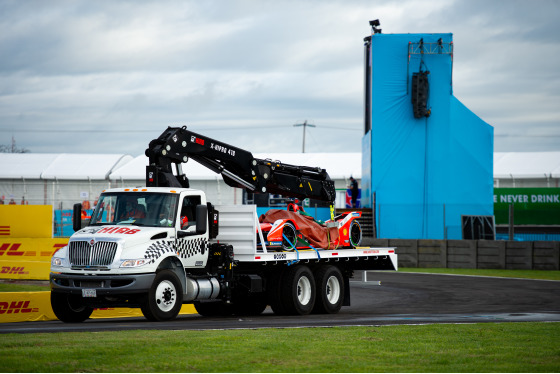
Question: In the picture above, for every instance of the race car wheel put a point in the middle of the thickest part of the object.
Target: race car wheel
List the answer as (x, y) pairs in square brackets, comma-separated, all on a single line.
[(289, 238), (297, 290), (330, 290), (355, 234), (69, 308), (165, 297)]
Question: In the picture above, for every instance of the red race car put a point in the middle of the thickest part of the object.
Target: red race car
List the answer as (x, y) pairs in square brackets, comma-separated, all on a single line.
[(293, 229)]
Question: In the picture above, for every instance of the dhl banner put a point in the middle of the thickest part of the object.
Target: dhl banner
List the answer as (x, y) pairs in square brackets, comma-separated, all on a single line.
[(27, 258), (35, 270), (26, 221), (36, 306)]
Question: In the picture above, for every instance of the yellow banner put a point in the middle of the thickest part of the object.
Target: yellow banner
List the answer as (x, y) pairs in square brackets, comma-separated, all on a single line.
[(26, 221), (25, 249), (27, 258), (36, 306), (26, 306), (36, 270)]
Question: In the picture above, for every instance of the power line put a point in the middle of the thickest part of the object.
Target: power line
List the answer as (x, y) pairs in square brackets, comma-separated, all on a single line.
[(305, 125)]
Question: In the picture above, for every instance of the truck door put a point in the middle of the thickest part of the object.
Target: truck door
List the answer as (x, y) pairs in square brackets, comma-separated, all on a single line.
[(192, 249)]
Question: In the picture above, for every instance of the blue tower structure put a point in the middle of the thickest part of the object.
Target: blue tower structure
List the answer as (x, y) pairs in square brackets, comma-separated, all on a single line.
[(427, 159)]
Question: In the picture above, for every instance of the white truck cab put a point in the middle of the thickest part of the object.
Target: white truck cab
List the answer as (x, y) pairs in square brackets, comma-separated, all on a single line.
[(133, 233)]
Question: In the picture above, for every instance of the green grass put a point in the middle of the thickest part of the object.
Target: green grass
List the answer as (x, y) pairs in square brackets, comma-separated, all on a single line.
[(529, 274), (23, 287), (505, 347)]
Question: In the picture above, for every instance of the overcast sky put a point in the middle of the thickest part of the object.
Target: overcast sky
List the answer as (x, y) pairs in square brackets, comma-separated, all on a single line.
[(109, 76)]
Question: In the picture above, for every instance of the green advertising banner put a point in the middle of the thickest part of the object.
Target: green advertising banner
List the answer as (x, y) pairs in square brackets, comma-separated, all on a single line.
[(531, 206)]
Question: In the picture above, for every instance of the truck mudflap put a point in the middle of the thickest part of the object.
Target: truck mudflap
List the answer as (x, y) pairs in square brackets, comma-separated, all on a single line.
[(101, 285)]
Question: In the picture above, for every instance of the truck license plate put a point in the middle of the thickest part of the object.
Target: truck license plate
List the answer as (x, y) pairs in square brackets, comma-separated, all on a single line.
[(89, 292)]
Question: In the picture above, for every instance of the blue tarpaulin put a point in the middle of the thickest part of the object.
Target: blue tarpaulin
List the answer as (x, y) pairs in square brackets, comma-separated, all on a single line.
[(425, 172)]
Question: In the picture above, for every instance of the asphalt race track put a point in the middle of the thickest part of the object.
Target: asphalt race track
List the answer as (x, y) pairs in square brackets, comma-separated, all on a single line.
[(388, 298)]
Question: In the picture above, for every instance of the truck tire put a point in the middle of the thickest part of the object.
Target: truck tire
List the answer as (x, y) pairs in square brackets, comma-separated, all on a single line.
[(330, 290), (69, 308), (297, 290), (165, 297), (355, 234)]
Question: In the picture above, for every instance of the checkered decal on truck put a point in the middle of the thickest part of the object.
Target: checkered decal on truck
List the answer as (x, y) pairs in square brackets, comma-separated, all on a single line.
[(158, 249), (185, 248), (190, 247)]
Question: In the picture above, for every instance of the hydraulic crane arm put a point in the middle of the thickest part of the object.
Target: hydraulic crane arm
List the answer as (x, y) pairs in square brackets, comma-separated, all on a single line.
[(237, 166)]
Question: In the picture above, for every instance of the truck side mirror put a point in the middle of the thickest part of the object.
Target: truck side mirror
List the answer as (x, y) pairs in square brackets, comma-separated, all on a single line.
[(77, 217), (201, 219), (201, 222)]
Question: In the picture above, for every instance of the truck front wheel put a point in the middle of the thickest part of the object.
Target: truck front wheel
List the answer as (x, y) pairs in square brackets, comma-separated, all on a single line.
[(69, 308), (165, 297)]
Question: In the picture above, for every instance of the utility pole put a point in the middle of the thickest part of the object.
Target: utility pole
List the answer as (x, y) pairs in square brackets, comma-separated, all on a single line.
[(304, 124)]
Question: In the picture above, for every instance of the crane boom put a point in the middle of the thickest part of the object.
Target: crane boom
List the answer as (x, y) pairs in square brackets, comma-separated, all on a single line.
[(237, 166)]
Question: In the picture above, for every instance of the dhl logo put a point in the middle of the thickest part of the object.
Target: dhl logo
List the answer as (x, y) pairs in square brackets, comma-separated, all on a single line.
[(13, 270), (17, 307), (4, 230), (12, 249)]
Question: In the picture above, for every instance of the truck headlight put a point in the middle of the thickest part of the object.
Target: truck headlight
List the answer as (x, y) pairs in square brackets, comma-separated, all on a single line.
[(57, 261), (133, 263)]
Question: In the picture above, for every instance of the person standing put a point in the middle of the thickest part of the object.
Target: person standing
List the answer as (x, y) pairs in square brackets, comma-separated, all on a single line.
[(354, 191)]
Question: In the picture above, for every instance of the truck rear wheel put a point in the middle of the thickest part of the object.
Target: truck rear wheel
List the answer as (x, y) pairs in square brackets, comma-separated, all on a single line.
[(297, 291), (165, 297), (69, 308), (330, 290)]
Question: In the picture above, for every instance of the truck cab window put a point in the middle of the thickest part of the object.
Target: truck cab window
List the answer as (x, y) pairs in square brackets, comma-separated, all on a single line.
[(188, 211), (142, 208)]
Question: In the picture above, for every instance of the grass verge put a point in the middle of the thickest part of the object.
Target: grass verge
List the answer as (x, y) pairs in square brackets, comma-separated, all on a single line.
[(23, 286), (505, 347), (528, 274)]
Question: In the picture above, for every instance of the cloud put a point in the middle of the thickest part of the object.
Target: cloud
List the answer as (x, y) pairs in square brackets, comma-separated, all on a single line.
[(117, 73)]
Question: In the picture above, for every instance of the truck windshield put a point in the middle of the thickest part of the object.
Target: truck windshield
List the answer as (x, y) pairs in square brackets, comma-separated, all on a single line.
[(135, 208)]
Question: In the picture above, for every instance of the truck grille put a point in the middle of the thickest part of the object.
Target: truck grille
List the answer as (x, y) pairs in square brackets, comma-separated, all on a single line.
[(100, 254)]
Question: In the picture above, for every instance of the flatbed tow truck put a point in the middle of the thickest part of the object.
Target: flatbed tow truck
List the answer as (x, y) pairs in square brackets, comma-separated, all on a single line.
[(164, 245)]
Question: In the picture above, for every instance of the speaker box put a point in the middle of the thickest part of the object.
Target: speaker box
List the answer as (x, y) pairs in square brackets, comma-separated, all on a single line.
[(420, 92)]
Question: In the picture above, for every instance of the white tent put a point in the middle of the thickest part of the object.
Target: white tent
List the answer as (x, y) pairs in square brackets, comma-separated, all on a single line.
[(60, 166), (340, 166), (84, 166), (24, 165), (56, 179), (526, 169)]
